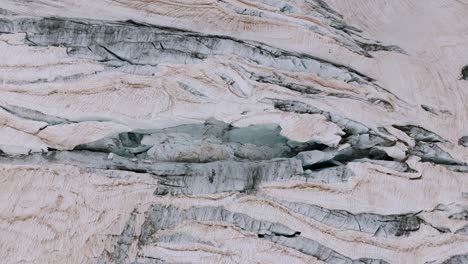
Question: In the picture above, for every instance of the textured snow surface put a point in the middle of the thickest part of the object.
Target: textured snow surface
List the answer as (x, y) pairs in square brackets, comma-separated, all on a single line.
[(234, 131)]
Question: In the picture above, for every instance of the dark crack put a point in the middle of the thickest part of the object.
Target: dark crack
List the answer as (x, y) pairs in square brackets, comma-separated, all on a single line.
[(34, 115), (378, 225), (135, 44), (168, 217), (457, 259), (464, 73)]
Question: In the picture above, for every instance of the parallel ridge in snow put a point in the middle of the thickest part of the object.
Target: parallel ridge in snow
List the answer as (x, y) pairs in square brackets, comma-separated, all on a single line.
[(219, 131)]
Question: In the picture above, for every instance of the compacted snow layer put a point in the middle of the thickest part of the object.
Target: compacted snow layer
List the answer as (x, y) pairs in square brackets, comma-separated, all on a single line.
[(263, 131)]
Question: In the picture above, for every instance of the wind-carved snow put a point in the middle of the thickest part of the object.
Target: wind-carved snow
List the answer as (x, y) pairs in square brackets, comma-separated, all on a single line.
[(299, 131)]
